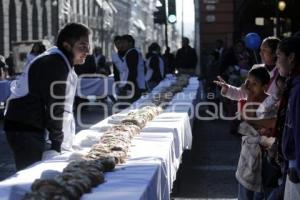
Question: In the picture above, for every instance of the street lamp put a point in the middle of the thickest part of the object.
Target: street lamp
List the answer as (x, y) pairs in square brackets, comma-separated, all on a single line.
[(281, 5), (172, 18), (172, 11)]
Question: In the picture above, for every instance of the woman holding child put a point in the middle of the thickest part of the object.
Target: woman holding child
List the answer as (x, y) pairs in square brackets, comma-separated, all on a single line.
[(259, 92)]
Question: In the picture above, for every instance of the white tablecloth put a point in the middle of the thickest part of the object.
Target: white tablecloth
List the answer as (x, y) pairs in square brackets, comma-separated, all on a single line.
[(4, 90), (149, 173), (99, 87)]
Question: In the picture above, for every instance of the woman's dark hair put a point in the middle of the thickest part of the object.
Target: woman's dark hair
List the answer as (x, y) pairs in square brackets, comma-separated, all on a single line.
[(41, 48), (154, 47), (272, 42), (117, 38), (186, 40), (261, 74), (129, 39), (291, 45), (72, 32), (239, 41)]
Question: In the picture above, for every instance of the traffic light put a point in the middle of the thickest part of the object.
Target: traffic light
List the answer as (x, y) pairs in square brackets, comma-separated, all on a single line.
[(172, 11), (160, 14)]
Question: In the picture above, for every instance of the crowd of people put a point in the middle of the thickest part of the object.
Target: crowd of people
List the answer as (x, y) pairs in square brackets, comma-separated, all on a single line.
[(7, 65), (267, 97), (42, 97), (135, 73)]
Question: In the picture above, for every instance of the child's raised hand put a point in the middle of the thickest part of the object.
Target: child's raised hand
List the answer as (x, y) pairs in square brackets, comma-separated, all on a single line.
[(222, 83)]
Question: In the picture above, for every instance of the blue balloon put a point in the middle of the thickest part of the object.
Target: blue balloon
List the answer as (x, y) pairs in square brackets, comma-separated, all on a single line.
[(252, 41)]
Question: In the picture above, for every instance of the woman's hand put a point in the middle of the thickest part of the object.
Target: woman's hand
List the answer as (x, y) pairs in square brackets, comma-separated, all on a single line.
[(222, 83)]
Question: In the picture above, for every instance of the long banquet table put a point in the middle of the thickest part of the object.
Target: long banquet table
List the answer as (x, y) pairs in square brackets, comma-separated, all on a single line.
[(149, 172)]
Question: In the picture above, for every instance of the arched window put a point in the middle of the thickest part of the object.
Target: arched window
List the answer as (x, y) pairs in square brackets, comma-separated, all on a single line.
[(1, 29), (12, 21), (35, 25), (24, 21), (44, 19)]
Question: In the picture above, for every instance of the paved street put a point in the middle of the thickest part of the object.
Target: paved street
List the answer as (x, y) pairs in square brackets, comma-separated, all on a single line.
[(207, 171)]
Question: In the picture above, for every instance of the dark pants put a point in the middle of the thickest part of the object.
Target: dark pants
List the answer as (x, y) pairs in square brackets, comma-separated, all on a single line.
[(27, 147), (246, 194)]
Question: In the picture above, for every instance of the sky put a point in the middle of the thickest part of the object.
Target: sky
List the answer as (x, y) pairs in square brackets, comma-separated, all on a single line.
[(188, 17)]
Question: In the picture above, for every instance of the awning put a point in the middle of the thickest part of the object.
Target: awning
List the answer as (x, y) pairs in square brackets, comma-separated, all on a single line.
[(113, 7), (99, 2), (107, 5), (140, 24)]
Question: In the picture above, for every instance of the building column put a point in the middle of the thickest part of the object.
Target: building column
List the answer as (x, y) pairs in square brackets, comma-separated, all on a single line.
[(6, 27), (18, 21), (49, 19), (197, 35), (29, 17), (40, 18)]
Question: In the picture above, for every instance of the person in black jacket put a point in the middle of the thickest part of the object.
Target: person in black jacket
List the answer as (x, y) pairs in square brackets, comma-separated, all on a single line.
[(154, 65), (100, 60), (169, 60), (42, 98), (134, 62), (10, 63), (186, 58)]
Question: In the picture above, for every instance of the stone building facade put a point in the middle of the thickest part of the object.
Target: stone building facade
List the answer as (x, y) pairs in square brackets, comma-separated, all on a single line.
[(26, 21), (29, 20)]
